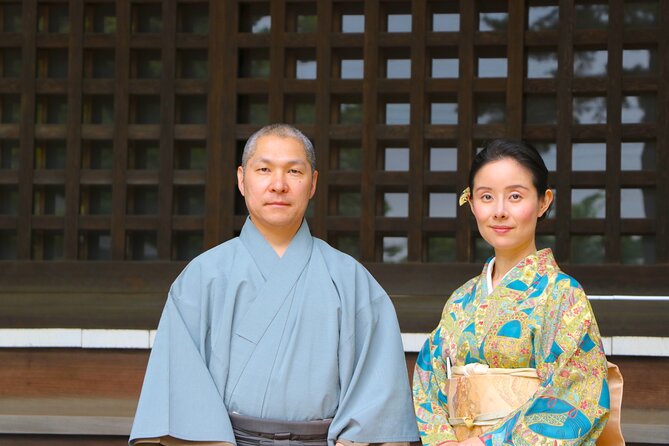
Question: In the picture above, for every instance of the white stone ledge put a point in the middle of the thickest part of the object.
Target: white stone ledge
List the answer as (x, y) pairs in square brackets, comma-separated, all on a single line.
[(74, 338), (626, 297), (143, 339), (40, 337), (115, 338)]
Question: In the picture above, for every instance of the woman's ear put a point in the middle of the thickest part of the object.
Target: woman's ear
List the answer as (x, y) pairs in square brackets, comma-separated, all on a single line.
[(545, 202)]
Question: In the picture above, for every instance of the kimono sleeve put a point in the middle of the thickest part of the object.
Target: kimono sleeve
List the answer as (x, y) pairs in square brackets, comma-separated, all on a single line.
[(375, 401), (179, 397), (430, 400), (572, 404)]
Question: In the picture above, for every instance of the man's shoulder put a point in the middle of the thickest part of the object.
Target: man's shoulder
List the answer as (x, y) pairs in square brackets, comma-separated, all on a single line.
[(221, 250), (336, 258), (215, 260), (347, 273)]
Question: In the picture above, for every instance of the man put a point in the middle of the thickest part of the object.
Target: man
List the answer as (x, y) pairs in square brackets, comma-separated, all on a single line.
[(274, 335)]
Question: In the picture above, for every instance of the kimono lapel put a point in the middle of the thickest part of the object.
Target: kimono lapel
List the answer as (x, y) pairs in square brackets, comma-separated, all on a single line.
[(525, 276), (280, 273), (524, 281)]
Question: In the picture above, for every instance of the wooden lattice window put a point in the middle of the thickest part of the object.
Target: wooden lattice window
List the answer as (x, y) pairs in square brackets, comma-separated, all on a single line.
[(122, 123)]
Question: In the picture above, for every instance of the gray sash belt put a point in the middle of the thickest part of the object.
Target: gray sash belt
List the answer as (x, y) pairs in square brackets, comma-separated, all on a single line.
[(251, 431)]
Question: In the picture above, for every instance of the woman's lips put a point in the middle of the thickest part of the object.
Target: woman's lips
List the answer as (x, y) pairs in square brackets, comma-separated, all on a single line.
[(501, 229)]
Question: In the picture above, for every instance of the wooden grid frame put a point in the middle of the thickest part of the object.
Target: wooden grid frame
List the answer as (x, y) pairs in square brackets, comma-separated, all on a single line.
[(228, 96)]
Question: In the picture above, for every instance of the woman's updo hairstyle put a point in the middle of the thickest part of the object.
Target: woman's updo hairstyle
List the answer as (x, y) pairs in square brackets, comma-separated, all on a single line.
[(523, 153)]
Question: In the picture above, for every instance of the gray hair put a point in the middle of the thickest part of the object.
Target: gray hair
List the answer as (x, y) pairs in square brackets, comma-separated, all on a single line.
[(283, 131)]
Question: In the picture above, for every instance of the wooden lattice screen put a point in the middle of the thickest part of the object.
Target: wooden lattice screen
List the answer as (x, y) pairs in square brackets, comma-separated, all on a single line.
[(122, 123)]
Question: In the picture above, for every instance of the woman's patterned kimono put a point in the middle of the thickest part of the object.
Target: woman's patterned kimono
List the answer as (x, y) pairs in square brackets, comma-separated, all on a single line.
[(536, 317)]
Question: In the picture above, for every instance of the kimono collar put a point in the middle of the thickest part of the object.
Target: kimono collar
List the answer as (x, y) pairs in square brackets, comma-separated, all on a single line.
[(488, 276), (267, 260), (525, 271)]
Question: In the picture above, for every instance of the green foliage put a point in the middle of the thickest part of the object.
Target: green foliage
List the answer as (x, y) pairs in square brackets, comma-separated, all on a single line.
[(591, 16), (258, 113), (350, 158), (194, 65), (350, 244), (101, 155), (441, 249), (149, 65), (100, 200), (482, 250), (306, 23), (12, 20), (494, 21), (549, 20), (637, 249), (9, 199), (641, 14), (587, 249), (545, 241), (588, 207), (349, 204), (11, 109), (305, 113), (108, 24), (11, 62), (259, 68), (9, 154), (7, 245), (394, 250), (350, 114)]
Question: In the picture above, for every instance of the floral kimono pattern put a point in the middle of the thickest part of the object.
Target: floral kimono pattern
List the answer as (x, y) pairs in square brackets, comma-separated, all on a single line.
[(536, 317)]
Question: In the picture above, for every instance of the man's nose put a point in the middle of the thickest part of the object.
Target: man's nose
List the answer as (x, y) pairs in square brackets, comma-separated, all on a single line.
[(279, 183)]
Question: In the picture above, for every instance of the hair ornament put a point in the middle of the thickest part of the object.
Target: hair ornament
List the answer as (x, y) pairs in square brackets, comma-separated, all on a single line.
[(465, 196)]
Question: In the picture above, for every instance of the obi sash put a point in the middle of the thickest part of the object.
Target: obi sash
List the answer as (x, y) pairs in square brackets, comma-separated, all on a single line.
[(251, 431), (479, 397)]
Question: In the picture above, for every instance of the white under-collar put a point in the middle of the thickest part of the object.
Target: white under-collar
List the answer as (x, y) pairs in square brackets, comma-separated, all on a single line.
[(488, 275)]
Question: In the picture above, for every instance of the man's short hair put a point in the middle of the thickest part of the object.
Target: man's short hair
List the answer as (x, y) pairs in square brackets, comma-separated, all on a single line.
[(283, 131)]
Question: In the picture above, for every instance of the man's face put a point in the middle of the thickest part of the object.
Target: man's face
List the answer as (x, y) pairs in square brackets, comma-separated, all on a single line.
[(277, 183)]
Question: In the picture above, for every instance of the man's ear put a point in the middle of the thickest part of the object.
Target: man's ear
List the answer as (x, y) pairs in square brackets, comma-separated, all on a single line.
[(240, 180), (314, 180)]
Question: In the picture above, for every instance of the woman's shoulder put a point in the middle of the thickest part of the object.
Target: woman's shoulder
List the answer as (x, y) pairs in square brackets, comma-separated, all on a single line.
[(467, 287), (566, 289), (464, 292), (546, 265)]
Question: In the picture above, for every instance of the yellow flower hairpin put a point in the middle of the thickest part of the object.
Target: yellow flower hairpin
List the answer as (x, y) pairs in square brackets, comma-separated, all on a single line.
[(465, 196)]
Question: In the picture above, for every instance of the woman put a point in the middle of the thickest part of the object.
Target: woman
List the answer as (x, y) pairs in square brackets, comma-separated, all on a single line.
[(523, 313)]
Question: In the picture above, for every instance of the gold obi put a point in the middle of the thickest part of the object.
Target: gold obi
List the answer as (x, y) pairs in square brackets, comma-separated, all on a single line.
[(479, 397)]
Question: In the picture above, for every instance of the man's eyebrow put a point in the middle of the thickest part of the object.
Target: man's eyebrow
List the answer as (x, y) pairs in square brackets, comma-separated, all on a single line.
[(289, 162)]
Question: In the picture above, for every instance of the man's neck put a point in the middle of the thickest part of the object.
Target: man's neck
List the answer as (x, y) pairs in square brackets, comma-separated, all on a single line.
[(278, 238)]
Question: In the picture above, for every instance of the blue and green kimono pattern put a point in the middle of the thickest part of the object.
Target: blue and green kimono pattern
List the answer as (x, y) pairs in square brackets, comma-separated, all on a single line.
[(536, 317)]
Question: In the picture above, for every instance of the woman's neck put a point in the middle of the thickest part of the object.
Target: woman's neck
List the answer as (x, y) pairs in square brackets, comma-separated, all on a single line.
[(506, 260)]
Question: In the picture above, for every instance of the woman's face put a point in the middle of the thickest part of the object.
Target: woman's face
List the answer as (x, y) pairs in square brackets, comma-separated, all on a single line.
[(506, 206)]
